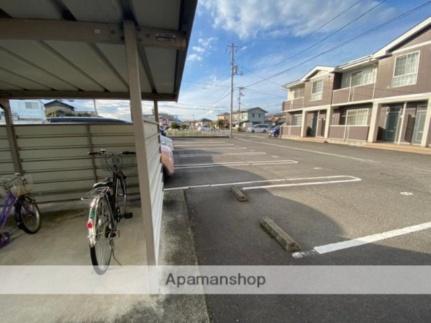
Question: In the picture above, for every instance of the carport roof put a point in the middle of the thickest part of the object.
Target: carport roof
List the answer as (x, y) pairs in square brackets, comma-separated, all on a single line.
[(75, 48)]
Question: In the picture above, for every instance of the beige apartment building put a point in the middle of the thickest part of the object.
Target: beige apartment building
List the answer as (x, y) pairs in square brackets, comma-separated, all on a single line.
[(383, 97)]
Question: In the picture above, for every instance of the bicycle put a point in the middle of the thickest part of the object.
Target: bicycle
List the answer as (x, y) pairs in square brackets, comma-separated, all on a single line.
[(17, 196), (107, 208)]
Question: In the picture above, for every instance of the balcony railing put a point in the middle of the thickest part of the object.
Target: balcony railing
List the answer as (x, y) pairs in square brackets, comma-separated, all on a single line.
[(348, 132), (352, 94), (293, 104)]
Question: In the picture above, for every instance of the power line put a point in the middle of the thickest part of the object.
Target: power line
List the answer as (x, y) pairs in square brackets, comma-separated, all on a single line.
[(406, 13), (330, 35)]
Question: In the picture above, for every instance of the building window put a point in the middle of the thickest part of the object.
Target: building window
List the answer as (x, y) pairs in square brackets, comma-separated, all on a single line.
[(297, 119), (358, 77), (297, 93), (406, 70), (357, 117), (252, 115), (317, 90)]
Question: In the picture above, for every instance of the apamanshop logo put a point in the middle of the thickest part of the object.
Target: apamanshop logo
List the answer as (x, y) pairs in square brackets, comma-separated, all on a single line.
[(215, 280)]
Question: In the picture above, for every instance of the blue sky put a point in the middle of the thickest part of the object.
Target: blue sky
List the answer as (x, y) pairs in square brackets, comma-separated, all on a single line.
[(271, 36)]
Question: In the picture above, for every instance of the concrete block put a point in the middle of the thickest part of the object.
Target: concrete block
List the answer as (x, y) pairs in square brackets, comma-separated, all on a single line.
[(239, 194), (282, 237)]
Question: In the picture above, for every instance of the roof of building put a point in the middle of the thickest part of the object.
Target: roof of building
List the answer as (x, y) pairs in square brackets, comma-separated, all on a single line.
[(408, 35), (57, 103), (369, 59)]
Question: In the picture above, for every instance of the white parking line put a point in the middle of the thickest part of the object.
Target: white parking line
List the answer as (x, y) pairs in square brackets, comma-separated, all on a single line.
[(204, 144), (362, 240), (312, 151), (223, 154), (213, 148), (350, 179), (254, 163), (255, 182)]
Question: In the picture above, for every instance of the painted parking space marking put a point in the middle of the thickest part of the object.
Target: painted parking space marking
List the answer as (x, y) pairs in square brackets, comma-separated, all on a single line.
[(276, 180), (332, 247), (406, 193), (327, 180), (312, 151), (213, 148), (206, 144), (253, 163), (222, 154)]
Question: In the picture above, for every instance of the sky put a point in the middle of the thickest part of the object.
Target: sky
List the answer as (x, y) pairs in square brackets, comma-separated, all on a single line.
[(272, 37)]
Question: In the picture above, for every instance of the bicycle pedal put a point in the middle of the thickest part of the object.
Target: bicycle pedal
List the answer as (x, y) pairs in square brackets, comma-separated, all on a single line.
[(128, 215)]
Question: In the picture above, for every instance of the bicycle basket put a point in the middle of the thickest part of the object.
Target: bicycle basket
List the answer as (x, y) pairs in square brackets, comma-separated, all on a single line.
[(16, 184), (112, 161)]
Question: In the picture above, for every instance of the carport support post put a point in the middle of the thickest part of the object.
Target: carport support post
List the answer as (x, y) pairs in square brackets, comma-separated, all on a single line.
[(156, 111), (140, 145), (4, 103)]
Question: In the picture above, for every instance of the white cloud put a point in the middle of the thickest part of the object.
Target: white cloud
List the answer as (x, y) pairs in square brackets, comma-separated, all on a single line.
[(204, 46), (248, 18)]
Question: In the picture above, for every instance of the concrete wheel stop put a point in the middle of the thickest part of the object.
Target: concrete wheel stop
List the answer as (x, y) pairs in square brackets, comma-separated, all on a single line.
[(239, 194), (281, 236)]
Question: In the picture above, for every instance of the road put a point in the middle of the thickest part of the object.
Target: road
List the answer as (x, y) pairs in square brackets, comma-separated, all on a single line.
[(320, 194)]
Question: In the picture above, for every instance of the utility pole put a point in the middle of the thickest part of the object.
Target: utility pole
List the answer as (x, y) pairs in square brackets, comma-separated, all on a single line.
[(95, 107), (240, 94), (233, 72)]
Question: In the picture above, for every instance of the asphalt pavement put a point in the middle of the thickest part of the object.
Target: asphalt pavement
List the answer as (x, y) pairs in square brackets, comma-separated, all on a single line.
[(320, 194)]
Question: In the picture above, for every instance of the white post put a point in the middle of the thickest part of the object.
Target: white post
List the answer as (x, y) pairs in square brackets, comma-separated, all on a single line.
[(328, 121), (140, 145), (304, 124), (372, 133), (427, 126), (403, 117)]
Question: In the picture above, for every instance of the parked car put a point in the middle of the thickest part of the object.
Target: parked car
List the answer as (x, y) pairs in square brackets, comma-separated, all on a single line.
[(274, 132), (166, 141), (167, 159), (259, 128)]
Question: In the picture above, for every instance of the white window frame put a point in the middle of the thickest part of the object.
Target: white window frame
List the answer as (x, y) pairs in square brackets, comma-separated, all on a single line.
[(357, 111), (299, 89), (349, 75), (298, 118), (418, 52), (316, 96)]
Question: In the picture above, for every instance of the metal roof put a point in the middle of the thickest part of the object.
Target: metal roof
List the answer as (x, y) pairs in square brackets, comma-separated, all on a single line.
[(75, 48)]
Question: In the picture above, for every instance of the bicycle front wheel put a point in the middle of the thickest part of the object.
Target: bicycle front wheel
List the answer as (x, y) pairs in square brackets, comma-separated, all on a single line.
[(27, 215), (102, 247), (121, 196)]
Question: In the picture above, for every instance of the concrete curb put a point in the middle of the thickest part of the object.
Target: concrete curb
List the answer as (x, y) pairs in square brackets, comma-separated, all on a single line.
[(198, 137), (282, 237)]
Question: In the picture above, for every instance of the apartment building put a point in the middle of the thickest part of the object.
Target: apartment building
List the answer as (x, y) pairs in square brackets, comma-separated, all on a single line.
[(383, 97)]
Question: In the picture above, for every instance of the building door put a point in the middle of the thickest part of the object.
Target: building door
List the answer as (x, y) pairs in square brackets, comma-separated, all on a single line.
[(313, 128), (391, 125), (418, 129)]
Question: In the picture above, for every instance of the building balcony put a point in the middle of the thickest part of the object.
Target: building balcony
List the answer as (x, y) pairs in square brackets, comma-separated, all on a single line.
[(293, 104), (348, 132), (353, 94)]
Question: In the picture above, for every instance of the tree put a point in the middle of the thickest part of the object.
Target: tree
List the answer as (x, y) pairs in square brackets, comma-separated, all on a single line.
[(175, 125)]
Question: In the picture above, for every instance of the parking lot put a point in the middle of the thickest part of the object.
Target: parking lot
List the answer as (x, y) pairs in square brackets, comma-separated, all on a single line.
[(348, 205)]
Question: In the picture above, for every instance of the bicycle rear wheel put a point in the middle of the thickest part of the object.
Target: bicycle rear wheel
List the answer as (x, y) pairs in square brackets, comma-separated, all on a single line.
[(27, 215), (101, 250)]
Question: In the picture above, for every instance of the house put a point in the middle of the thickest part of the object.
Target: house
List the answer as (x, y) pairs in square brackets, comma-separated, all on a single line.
[(383, 97), (195, 124), (275, 119), (223, 120), (57, 108), (250, 116), (166, 120)]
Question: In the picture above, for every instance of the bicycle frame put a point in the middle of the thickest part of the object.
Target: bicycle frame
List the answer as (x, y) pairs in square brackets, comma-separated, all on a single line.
[(8, 203)]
